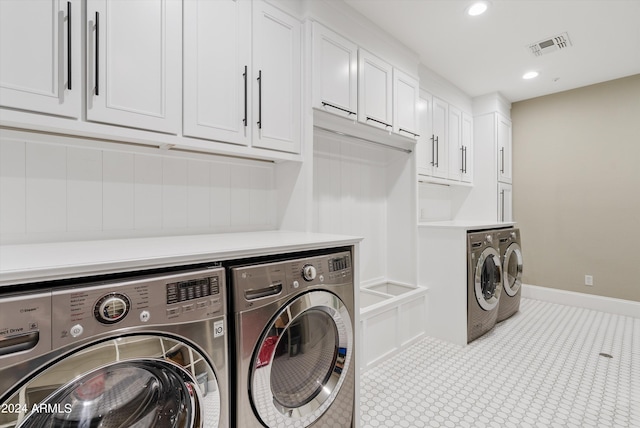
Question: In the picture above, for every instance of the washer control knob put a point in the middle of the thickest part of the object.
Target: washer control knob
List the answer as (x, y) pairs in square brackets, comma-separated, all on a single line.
[(489, 238), (296, 284), (513, 235), (309, 272), (111, 308)]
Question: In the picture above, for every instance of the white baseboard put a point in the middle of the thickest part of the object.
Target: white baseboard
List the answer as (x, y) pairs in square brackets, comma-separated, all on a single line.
[(628, 308)]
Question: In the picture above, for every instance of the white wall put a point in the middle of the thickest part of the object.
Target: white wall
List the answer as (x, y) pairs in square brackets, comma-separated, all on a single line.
[(59, 189)]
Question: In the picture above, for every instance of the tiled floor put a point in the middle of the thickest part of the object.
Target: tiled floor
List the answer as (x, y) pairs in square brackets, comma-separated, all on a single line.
[(541, 368)]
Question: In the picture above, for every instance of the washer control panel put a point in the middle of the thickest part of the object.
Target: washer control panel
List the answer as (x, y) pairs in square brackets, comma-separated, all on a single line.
[(170, 298), (256, 285)]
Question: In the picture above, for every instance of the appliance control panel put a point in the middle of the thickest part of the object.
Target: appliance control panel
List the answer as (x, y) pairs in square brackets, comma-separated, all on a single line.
[(91, 309), (256, 285)]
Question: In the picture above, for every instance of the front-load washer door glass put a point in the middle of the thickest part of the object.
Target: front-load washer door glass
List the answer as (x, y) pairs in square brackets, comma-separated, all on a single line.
[(488, 279), (136, 393), (129, 381), (512, 269), (301, 360)]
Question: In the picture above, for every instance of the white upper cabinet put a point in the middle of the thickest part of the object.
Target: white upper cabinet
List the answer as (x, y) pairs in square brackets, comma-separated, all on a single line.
[(40, 67), (217, 70), (455, 144), (335, 73), (439, 138), (504, 149), (460, 145), (375, 91), (277, 87), (424, 154), (467, 148), (134, 70), (405, 104)]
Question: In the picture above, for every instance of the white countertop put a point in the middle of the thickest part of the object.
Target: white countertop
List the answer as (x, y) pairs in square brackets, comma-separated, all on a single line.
[(27, 263), (467, 225)]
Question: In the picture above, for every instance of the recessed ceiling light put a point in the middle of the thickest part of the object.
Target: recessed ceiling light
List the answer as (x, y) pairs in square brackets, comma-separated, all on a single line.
[(530, 75), (477, 8)]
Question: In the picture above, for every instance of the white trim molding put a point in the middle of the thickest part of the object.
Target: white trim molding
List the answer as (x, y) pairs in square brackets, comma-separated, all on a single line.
[(623, 307)]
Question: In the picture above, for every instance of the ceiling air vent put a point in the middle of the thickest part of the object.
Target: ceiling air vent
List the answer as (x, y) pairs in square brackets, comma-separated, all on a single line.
[(551, 44)]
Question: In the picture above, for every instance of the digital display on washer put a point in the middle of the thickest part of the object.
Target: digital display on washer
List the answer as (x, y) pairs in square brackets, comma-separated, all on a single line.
[(183, 291), (339, 263)]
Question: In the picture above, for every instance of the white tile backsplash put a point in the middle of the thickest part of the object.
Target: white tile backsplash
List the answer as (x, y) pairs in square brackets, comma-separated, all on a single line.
[(13, 187), (54, 191), (46, 190)]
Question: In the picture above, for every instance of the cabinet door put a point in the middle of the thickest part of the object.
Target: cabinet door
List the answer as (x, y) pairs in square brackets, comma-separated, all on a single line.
[(425, 149), (440, 138), (405, 104), (375, 80), (505, 202), (40, 56), (134, 54), (455, 144), (467, 148), (504, 149), (217, 70), (276, 79), (335, 73)]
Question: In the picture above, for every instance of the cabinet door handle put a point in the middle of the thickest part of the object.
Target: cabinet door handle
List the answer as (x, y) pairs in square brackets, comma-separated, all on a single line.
[(69, 45), (259, 99), (97, 62), (433, 150), (437, 153), (462, 159), (244, 75), (386, 125), (502, 160), (502, 199), (349, 112), (409, 132)]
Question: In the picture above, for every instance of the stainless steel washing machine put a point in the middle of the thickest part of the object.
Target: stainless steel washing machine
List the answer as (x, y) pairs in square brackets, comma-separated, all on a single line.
[(484, 278), (511, 256), (142, 351), (294, 343)]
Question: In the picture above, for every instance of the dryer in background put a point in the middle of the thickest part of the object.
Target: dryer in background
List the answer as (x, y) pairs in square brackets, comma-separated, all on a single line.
[(143, 351), (511, 256), (294, 343), (484, 278)]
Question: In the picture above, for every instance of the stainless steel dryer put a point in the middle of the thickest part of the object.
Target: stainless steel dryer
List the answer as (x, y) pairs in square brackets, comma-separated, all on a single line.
[(294, 346), (484, 278), (511, 256), (143, 351)]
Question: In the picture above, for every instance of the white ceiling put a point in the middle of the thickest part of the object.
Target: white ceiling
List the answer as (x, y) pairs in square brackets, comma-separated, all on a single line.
[(490, 53)]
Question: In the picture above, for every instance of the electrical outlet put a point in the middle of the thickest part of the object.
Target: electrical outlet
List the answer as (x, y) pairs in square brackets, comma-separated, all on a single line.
[(588, 280)]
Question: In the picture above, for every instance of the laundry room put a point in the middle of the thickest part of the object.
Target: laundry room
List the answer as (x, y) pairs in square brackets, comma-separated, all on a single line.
[(319, 213)]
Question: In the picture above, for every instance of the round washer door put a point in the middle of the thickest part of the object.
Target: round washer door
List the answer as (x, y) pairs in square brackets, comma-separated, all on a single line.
[(512, 269), (301, 360), (488, 279), (132, 381)]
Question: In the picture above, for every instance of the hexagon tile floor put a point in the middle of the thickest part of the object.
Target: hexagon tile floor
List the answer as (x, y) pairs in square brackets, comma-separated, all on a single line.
[(549, 365)]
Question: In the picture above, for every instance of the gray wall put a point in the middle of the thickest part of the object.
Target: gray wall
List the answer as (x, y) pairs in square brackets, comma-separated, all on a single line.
[(577, 188)]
